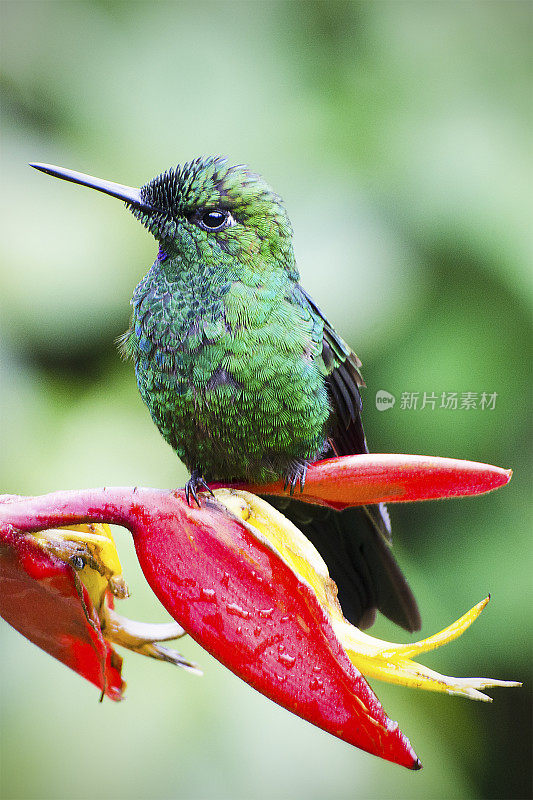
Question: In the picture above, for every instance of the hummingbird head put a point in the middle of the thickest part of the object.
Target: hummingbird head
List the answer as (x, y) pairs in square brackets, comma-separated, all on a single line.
[(205, 209)]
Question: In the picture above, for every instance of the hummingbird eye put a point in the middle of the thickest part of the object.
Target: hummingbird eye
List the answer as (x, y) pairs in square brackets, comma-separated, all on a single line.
[(214, 220)]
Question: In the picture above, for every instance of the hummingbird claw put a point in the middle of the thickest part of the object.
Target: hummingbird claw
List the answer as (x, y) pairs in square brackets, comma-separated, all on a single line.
[(195, 484), (190, 490)]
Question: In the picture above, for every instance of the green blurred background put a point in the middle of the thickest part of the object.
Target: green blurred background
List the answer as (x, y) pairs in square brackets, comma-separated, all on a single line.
[(398, 134)]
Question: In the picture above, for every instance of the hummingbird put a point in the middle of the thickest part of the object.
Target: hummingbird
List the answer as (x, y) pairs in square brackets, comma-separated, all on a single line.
[(242, 372)]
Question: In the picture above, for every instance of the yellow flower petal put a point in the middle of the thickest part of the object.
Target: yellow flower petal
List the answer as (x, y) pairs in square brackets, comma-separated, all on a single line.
[(100, 569), (145, 638), (373, 657), (450, 633)]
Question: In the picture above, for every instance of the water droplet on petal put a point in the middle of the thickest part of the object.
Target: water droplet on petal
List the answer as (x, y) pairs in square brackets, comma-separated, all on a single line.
[(233, 608), (287, 660)]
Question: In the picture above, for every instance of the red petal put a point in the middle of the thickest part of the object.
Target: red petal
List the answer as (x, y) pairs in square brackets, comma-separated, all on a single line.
[(390, 478), (38, 597), (240, 601)]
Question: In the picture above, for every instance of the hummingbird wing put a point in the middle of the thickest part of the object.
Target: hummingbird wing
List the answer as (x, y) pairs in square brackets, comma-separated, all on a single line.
[(343, 379), (355, 543)]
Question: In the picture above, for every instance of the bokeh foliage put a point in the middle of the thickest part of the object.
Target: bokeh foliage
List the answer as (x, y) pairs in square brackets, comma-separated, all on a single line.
[(397, 133)]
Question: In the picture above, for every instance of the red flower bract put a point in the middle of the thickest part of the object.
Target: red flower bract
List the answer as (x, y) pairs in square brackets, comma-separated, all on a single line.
[(390, 478), (41, 597), (239, 600)]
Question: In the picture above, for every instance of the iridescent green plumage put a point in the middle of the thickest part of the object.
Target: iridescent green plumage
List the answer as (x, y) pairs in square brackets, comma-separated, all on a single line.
[(240, 370)]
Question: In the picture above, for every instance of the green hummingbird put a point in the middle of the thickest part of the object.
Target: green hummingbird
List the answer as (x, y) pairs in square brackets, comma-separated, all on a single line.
[(241, 371)]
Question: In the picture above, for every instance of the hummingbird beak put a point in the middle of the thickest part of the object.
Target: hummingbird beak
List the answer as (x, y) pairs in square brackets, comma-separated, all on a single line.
[(127, 193)]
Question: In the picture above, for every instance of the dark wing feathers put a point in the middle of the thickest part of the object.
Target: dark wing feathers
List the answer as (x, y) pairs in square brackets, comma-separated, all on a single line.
[(347, 436), (343, 380), (355, 543)]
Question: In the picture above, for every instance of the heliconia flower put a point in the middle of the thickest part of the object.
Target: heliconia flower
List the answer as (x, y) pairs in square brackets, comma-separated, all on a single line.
[(58, 588), (247, 585)]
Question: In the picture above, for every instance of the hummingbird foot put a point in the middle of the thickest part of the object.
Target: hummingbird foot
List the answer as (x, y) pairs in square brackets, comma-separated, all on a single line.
[(195, 484), (296, 474)]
